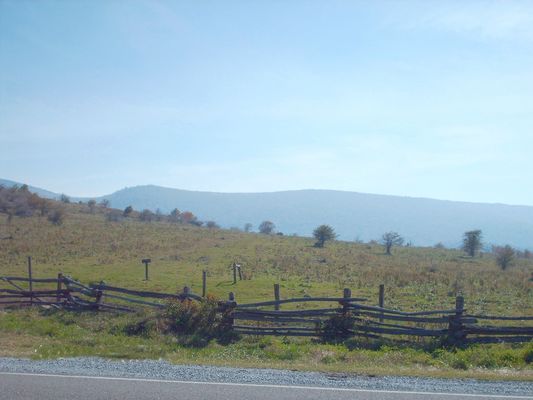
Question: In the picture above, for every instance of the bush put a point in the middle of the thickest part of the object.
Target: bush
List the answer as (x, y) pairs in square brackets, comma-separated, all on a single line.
[(127, 211), (113, 216), (56, 216), (197, 322), (143, 328), (212, 225), (338, 328)]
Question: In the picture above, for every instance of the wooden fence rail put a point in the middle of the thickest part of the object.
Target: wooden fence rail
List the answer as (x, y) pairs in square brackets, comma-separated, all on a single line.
[(346, 316)]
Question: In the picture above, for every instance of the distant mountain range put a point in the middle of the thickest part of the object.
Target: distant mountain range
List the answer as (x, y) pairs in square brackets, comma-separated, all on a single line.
[(424, 222)]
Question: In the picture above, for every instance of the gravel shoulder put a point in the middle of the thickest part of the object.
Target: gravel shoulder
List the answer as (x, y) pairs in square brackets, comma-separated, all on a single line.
[(93, 366)]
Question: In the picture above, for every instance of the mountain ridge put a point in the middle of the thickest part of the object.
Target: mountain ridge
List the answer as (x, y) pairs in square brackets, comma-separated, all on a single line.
[(354, 215)]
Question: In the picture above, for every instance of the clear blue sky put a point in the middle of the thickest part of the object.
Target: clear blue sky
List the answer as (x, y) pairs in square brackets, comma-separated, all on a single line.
[(428, 98)]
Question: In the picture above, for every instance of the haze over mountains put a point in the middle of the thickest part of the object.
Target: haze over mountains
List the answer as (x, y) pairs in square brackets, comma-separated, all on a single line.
[(424, 222)]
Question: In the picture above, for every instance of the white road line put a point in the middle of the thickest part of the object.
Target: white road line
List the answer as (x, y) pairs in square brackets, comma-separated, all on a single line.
[(110, 378)]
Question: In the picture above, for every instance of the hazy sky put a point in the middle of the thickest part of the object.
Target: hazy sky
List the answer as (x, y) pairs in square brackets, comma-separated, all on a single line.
[(429, 98)]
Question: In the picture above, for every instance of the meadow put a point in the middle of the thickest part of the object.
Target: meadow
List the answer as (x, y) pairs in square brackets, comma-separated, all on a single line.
[(90, 248)]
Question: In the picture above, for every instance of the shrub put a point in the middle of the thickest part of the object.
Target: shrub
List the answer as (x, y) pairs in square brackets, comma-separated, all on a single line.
[(212, 225), (197, 322), (528, 355), (92, 205), (146, 215), (56, 216), (504, 256), (337, 328), (127, 211), (143, 328), (113, 216)]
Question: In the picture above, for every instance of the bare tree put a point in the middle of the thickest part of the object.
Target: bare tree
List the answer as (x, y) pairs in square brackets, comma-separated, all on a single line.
[(247, 227), (391, 239), (504, 256)]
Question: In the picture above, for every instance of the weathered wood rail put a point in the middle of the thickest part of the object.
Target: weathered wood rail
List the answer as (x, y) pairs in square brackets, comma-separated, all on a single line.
[(341, 317)]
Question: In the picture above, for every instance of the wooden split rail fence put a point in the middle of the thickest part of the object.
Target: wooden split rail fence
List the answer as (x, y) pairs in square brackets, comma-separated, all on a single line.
[(333, 317)]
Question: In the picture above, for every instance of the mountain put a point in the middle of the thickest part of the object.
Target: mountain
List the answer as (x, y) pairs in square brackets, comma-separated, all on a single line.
[(424, 222), (353, 215)]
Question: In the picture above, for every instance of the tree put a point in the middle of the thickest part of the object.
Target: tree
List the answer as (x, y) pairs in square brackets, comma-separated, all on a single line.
[(267, 227), (64, 198), (472, 242), (212, 225), (188, 217), (175, 215), (105, 203), (146, 215), (127, 211), (247, 227), (92, 205), (504, 256), (322, 234), (390, 239)]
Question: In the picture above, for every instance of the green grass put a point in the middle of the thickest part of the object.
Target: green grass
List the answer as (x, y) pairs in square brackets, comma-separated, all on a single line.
[(90, 249), (41, 335)]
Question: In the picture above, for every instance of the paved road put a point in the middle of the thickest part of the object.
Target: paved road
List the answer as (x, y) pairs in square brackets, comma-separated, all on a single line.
[(28, 386)]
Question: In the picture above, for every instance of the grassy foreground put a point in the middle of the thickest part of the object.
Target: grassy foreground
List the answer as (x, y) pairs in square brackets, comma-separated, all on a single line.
[(90, 249), (40, 334)]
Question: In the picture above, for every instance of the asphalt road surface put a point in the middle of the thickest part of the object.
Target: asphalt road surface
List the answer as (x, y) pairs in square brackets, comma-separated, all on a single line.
[(26, 386)]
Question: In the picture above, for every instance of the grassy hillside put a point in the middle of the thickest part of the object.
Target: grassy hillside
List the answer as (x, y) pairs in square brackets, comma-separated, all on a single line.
[(90, 248)]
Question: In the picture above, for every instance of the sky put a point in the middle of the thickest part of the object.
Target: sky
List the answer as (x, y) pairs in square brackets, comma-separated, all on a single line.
[(412, 98)]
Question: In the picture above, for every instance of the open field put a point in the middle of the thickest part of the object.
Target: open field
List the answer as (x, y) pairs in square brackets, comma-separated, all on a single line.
[(91, 249)]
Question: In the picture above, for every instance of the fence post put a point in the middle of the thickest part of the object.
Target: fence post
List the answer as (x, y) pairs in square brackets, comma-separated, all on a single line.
[(234, 273), (346, 294), (59, 286), (99, 295), (276, 296), (186, 292), (240, 272), (30, 280), (456, 334), (204, 283), (381, 300), (231, 304)]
